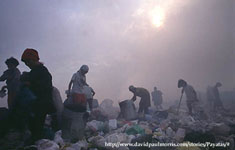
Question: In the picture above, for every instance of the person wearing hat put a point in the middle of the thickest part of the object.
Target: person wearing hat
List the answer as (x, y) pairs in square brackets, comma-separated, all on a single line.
[(40, 83), (12, 78), (76, 88), (217, 100), (145, 98), (191, 95)]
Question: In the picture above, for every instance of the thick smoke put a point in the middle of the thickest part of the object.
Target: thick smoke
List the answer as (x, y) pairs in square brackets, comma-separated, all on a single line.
[(121, 45)]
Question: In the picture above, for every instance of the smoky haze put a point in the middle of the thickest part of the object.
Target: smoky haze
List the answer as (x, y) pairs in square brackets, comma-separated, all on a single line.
[(121, 45)]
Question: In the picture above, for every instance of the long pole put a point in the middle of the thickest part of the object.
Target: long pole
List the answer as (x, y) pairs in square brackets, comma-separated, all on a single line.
[(179, 103)]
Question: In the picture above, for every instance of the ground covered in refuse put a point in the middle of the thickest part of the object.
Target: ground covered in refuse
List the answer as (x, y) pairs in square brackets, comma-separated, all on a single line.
[(160, 130)]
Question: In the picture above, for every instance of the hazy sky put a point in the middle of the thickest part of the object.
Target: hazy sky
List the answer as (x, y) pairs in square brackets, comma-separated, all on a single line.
[(125, 42)]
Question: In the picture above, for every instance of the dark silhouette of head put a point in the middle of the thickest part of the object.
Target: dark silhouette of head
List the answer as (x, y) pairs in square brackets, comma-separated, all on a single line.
[(181, 83)]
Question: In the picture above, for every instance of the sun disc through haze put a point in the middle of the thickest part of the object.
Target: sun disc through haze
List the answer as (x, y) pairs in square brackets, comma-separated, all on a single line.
[(157, 16), (156, 11)]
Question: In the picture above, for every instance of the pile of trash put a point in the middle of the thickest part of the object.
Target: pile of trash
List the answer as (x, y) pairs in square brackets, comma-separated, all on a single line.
[(106, 130)]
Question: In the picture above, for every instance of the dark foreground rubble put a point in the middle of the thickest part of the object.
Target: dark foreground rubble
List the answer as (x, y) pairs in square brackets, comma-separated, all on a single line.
[(108, 131)]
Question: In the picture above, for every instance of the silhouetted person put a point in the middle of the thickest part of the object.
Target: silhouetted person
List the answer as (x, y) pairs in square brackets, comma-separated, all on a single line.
[(191, 95), (40, 83), (12, 78), (145, 98), (157, 98), (76, 94), (217, 100)]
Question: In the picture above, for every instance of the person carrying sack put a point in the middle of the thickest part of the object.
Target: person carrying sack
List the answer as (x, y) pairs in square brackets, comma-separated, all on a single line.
[(40, 83), (76, 96)]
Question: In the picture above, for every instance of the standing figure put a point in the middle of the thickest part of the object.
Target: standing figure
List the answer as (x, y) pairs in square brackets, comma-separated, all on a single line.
[(76, 94), (12, 78), (217, 100), (157, 98), (145, 98), (40, 83), (191, 95)]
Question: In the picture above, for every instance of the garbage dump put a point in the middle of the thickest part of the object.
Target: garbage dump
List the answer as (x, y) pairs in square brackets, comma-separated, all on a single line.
[(108, 131)]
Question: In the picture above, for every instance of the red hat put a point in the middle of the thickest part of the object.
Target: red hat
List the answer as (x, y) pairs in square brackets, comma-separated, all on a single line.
[(30, 54)]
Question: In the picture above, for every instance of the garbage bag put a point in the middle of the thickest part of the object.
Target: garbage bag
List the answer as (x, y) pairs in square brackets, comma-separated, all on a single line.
[(58, 139), (128, 110), (25, 100), (76, 102), (95, 125), (108, 108), (45, 144), (117, 137), (97, 140), (79, 145), (58, 103), (112, 124), (98, 114), (159, 134), (135, 129), (73, 125), (180, 134), (170, 132), (95, 103)]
